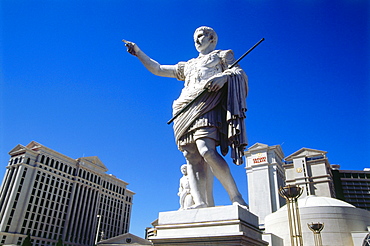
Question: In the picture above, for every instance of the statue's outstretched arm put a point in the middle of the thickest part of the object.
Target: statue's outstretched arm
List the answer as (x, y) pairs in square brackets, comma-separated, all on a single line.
[(153, 66)]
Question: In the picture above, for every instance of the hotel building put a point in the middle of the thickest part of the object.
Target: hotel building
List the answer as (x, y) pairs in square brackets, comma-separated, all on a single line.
[(311, 170), (265, 172), (50, 196), (347, 222), (352, 186), (268, 169)]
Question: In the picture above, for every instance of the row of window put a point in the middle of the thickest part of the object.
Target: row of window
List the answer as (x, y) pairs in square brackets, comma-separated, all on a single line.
[(36, 242), (82, 173), (57, 165), (364, 175), (359, 202), (307, 159), (115, 216), (17, 160), (71, 171), (3, 239), (43, 230), (359, 189), (356, 183), (81, 228), (357, 198), (16, 199), (56, 172), (49, 200), (91, 178), (112, 187), (51, 188), (47, 207), (315, 158)]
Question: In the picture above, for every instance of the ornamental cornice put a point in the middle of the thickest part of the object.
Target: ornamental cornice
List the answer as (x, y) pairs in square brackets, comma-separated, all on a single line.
[(93, 162), (19, 149), (305, 152)]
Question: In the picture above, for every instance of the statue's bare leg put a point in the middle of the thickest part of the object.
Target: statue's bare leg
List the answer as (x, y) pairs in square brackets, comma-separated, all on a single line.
[(197, 173), (220, 168), (209, 186)]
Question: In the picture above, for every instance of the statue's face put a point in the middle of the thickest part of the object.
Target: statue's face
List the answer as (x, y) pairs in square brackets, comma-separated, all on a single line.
[(202, 41), (184, 170)]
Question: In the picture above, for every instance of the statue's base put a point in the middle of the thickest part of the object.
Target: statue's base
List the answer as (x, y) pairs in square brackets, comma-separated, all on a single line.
[(227, 225)]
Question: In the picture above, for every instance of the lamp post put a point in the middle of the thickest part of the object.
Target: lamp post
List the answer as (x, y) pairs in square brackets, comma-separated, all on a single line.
[(316, 228), (291, 193), (97, 231)]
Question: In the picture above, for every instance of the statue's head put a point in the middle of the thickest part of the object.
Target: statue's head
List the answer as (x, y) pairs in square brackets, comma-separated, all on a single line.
[(208, 31), (184, 169)]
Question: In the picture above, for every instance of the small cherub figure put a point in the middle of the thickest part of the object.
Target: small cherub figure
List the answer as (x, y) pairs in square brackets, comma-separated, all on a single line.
[(186, 199)]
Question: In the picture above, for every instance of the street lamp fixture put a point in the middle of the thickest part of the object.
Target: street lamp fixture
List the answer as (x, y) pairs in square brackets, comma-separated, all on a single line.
[(316, 228), (291, 193)]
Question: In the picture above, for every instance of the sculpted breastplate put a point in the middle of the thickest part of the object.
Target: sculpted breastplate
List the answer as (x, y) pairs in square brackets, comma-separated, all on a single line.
[(198, 70)]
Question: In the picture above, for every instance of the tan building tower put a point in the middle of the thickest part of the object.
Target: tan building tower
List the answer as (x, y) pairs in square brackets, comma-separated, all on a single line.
[(50, 196), (311, 170), (265, 174)]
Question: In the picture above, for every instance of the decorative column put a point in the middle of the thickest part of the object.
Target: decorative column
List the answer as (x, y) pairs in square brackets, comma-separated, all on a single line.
[(316, 228), (291, 193)]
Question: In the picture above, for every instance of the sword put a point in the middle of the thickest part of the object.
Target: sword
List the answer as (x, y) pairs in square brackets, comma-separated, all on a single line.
[(205, 90)]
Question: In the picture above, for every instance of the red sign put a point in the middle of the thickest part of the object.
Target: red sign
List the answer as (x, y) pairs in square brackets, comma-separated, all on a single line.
[(259, 160)]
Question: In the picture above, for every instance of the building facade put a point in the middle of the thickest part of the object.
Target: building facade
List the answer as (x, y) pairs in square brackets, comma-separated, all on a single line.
[(352, 186), (311, 170), (324, 185), (50, 196), (265, 175)]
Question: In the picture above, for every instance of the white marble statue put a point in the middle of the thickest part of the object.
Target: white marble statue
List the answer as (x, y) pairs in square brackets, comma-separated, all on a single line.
[(186, 199), (215, 119)]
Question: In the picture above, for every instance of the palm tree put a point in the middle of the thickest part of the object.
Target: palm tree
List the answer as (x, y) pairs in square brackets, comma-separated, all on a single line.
[(60, 242), (27, 241)]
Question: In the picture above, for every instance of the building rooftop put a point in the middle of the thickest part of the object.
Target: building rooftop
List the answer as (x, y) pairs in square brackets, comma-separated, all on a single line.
[(320, 201)]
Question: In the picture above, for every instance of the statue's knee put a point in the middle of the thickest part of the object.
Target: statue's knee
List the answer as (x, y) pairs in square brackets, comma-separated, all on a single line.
[(189, 156), (207, 153)]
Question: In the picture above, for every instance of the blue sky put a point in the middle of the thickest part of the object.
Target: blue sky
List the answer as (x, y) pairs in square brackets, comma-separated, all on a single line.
[(68, 83)]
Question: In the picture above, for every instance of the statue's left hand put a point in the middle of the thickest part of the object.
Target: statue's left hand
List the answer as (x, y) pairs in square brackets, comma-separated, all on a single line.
[(216, 82)]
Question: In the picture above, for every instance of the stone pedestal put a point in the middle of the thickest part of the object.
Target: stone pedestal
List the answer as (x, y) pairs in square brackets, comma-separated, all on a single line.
[(226, 225)]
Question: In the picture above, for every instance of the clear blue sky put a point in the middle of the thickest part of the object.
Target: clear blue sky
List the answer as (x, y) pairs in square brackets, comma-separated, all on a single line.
[(68, 83)]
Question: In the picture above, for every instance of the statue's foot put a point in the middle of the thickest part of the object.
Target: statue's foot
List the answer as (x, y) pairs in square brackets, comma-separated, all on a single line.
[(240, 201), (200, 205)]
